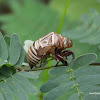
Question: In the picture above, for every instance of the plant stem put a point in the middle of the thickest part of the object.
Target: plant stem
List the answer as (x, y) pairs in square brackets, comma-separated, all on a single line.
[(63, 17), (95, 64), (43, 68), (76, 85)]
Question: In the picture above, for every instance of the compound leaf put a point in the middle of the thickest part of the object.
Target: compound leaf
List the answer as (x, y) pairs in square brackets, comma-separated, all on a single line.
[(80, 77), (16, 84)]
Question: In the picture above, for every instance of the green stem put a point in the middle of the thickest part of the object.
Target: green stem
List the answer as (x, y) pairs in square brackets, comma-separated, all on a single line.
[(76, 85), (43, 68), (63, 17)]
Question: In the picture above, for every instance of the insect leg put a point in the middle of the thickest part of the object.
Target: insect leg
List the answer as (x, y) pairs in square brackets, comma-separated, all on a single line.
[(68, 53), (54, 56), (42, 58), (62, 59), (41, 61)]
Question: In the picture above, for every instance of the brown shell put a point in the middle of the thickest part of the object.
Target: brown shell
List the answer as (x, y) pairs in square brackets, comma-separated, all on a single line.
[(45, 46)]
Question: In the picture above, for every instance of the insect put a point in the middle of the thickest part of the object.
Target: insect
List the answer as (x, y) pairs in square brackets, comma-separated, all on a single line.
[(52, 43)]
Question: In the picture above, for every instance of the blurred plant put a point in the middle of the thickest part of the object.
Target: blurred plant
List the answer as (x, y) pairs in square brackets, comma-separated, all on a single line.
[(76, 8), (86, 35), (30, 19), (45, 1)]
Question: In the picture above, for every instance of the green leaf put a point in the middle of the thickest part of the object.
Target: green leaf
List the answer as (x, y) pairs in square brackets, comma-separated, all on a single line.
[(74, 97), (88, 79), (86, 40), (17, 89), (16, 84), (80, 75), (24, 82), (21, 58), (1, 97), (91, 97), (90, 92), (84, 60), (58, 70), (89, 89), (7, 40), (50, 84), (3, 48), (57, 92), (31, 75), (88, 70), (75, 33), (81, 61), (14, 50), (5, 71), (6, 91), (2, 77), (32, 22), (2, 63), (86, 18)]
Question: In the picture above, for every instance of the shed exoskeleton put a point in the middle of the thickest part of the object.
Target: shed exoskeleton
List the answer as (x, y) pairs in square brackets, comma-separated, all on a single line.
[(51, 43)]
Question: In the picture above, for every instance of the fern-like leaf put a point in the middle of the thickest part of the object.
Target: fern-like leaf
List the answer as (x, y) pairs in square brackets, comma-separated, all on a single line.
[(79, 79)]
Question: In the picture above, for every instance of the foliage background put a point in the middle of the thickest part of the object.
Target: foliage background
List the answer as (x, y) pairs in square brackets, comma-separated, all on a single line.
[(33, 19)]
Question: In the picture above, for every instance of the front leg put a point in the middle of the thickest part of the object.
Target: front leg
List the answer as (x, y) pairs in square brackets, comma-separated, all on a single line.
[(54, 56), (68, 53), (42, 58), (41, 61), (59, 58), (62, 59)]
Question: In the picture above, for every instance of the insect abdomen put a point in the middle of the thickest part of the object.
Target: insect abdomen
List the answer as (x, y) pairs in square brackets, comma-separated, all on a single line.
[(32, 56)]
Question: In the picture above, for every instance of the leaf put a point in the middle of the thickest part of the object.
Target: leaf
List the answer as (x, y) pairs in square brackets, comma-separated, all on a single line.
[(91, 92), (6, 91), (31, 75), (16, 84), (85, 39), (53, 94), (50, 84), (14, 50), (25, 84), (84, 60), (74, 97), (3, 48), (2, 77), (58, 70), (88, 79), (32, 22), (7, 40), (1, 97), (81, 61), (17, 89), (2, 63), (88, 70), (5, 71), (91, 97), (82, 78), (21, 58)]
